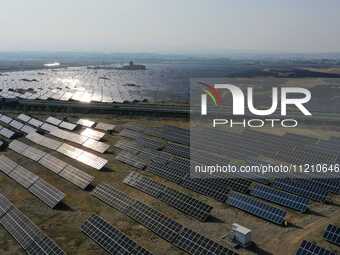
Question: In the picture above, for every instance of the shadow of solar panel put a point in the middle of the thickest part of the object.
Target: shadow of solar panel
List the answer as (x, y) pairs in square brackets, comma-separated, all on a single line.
[(196, 244), (332, 234), (28, 235), (7, 165), (161, 225), (204, 187), (47, 193), (23, 176), (76, 176), (113, 197), (301, 187), (5, 205), (256, 208), (109, 238), (52, 163), (309, 248), (282, 198), (130, 159)]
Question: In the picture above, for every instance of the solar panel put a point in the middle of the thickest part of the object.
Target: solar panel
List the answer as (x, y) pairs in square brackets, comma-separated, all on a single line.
[(28, 129), (256, 208), (96, 145), (23, 117), (161, 225), (9, 134), (47, 193), (105, 126), (18, 146), (35, 122), (53, 121), (178, 200), (23, 176), (301, 187), (309, 248), (5, 119), (86, 123), (33, 153), (76, 176), (96, 135), (6, 165), (113, 197), (332, 234), (48, 127), (5, 205), (16, 124), (109, 238), (67, 125), (196, 244), (28, 235), (52, 163), (280, 197), (130, 159)]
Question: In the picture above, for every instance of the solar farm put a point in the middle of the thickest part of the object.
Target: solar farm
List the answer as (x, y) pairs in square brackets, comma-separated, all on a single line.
[(90, 184)]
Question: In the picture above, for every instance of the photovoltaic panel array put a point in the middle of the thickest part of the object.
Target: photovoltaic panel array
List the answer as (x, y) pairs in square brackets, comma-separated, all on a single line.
[(131, 159), (301, 187), (78, 154), (256, 208), (105, 127), (59, 167), (309, 248), (112, 240), (158, 223), (178, 200), (37, 186), (332, 234), (25, 232), (280, 197), (61, 123), (86, 123)]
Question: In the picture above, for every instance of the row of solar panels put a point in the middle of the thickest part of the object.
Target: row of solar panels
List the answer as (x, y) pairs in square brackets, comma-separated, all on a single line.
[(88, 138), (112, 240), (48, 194), (25, 232), (331, 234), (166, 228), (59, 167), (176, 199), (78, 154)]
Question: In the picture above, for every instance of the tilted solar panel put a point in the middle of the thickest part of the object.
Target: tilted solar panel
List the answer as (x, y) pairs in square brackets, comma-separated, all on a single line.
[(52, 163), (27, 234), (309, 248), (67, 125), (5, 205), (23, 176), (7, 165), (256, 208), (23, 117), (332, 234), (53, 121), (86, 122), (76, 176), (109, 238), (91, 133), (280, 197)]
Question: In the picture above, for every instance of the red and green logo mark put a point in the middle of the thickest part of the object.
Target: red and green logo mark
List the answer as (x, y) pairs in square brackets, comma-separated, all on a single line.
[(213, 93)]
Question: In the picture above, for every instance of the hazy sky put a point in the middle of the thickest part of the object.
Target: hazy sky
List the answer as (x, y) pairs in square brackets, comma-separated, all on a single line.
[(170, 25)]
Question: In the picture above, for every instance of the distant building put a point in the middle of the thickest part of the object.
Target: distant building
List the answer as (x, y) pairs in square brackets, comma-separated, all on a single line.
[(131, 66)]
